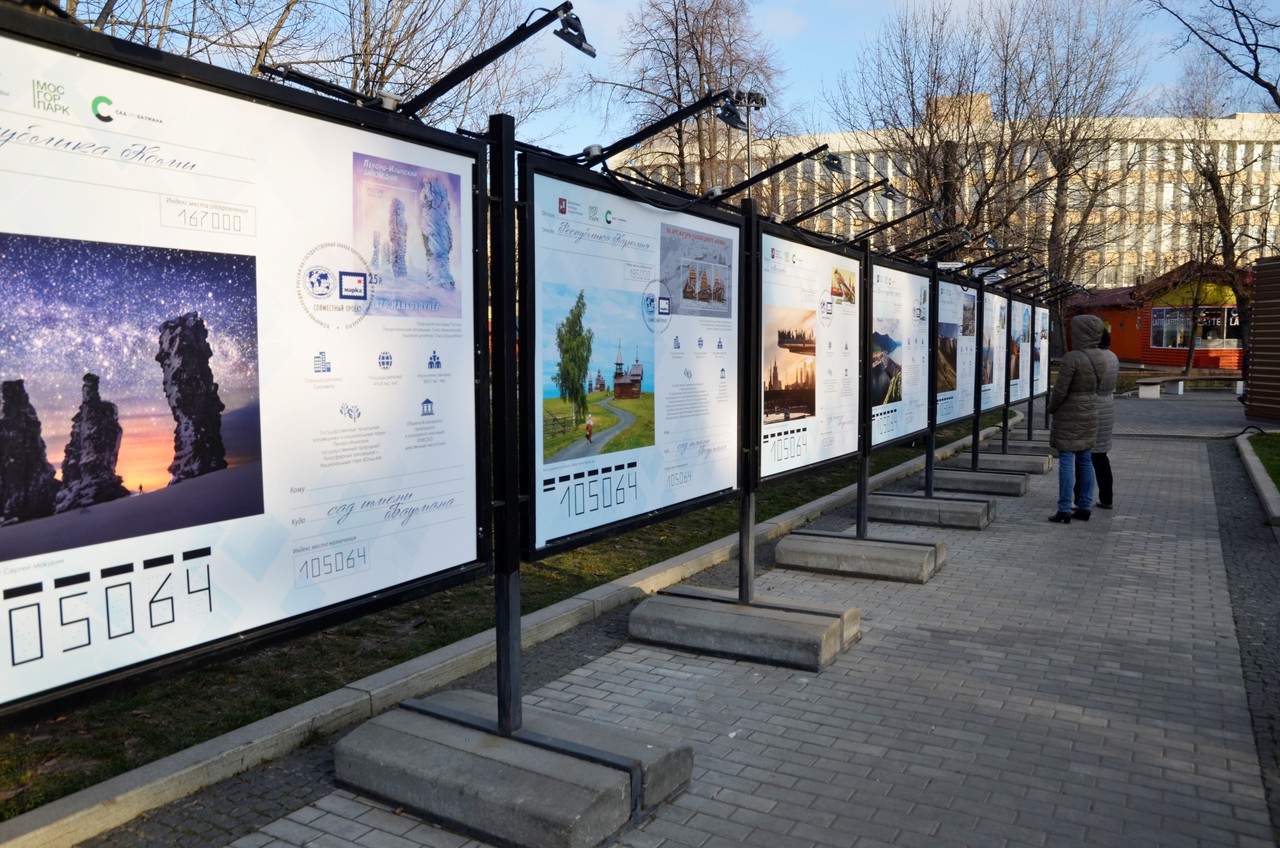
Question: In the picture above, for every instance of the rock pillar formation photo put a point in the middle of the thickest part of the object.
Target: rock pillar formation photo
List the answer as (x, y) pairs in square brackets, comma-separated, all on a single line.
[(89, 464), (28, 483), (437, 234), (193, 397)]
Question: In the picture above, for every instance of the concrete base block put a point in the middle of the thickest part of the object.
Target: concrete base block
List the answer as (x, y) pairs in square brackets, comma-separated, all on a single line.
[(1023, 464), (493, 787), (981, 482), (775, 634), (1021, 447), (965, 513), (665, 765), (837, 553)]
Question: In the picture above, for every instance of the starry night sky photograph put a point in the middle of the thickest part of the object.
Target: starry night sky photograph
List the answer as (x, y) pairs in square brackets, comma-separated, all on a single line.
[(71, 307)]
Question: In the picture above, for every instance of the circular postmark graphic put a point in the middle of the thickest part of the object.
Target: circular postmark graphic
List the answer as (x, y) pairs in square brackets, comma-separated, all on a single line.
[(335, 286), (656, 306)]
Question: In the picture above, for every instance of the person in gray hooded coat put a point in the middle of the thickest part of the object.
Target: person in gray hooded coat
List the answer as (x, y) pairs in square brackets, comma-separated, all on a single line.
[(1073, 403)]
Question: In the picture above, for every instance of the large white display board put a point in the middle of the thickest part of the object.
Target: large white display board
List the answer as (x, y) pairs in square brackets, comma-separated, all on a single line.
[(995, 329), (1040, 351), (1021, 327), (270, 315), (899, 354), (641, 307), (809, 355), (957, 351)]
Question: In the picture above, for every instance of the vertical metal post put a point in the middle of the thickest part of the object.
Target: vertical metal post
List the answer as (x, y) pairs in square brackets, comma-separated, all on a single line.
[(1048, 346), (864, 407), (506, 452), (931, 437), (1008, 374), (751, 423), (1035, 369)]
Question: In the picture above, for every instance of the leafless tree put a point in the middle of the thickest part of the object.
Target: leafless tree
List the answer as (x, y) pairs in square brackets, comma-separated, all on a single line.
[(1244, 34), (1225, 210), (947, 106), (677, 52), (999, 116), (1084, 86), (371, 46)]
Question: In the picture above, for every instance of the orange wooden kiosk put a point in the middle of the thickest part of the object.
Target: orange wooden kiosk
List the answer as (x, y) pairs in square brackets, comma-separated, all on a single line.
[(1151, 324)]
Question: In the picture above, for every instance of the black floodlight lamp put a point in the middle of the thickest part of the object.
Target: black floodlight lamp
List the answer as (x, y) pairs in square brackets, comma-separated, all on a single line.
[(729, 113), (987, 272), (286, 73), (1047, 282), (984, 260), (928, 237), (717, 193), (595, 154), (879, 228), (832, 163), (891, 195), (570, 31), (1029, 272), (1063, 290), (966, 238), (835, 201), (1027, 286)]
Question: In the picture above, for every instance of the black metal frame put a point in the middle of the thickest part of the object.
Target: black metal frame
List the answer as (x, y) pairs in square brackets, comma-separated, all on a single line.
[(529, 165), (58, 35), (968, 285), (842, 249), (869, 301), (1008, 388)]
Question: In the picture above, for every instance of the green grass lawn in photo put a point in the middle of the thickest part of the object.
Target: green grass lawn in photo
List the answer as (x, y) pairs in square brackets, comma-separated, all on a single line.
[(640, 433), (553, 442)]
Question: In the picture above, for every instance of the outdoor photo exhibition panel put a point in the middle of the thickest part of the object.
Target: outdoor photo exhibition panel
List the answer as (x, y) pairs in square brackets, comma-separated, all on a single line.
[(957, 351), (1021, 327), (634, 337), (1040, 350), (238, 365), (809, 355), (995, 331), (899, 345)]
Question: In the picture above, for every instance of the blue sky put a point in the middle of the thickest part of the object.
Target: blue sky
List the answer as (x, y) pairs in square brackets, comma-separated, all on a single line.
[(815, 40)]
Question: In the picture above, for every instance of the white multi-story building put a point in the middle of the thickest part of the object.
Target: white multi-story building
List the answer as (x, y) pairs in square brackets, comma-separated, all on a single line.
[(1155, 216)]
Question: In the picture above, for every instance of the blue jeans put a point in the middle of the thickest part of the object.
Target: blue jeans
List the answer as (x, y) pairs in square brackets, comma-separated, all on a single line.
[(1071, 463)]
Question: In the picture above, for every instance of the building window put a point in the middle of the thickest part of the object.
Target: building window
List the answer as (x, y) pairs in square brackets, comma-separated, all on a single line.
[(1169, 327), (1217, 329)]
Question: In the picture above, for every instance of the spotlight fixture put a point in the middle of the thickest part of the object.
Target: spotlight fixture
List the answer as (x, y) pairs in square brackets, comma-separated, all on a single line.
[(835, 201), (570, 31), (594, 154), (730, 115)]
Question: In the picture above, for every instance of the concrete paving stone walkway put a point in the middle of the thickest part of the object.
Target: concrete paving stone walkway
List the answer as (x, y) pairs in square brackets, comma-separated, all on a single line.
[(1082, 684)]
